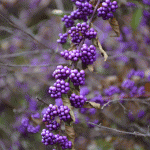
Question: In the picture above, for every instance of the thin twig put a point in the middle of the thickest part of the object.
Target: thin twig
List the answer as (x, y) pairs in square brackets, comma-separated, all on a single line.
[(121, 132), (25, 32), (26, 53), (116, 100), (46, 65), (42, 101), (94, 11)]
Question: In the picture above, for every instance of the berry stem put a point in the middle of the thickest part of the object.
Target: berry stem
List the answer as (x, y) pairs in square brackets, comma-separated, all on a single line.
[(98, 2)]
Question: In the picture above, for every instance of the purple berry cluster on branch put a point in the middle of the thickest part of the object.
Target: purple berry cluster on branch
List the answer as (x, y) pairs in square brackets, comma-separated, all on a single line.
[(62, 72), (77, 101), (77, 78), (71, 55), (60, 87), (88, 54), (63, 38), (107, 9), (49, 138), (64, 113), (28, 125)]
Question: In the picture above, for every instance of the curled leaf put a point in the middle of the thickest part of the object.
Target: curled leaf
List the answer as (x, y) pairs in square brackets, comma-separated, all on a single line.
[(99, 46), (91, 105), (115, 26), (71, 134)]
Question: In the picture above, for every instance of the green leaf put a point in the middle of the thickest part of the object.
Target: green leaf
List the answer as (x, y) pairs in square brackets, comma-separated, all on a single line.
[(136, 19)]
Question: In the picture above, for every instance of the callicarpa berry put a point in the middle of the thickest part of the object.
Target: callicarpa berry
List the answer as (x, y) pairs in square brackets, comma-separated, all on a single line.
[(62, 72), (33, 129), (63, 38), (128, 84), (107, 9), (69, 22), (48, 138), (71, 55), (64, 113), (77, 101), (88, 54), (78, 78), (50, 113), (111, 90), (52, 125), (60, 87)]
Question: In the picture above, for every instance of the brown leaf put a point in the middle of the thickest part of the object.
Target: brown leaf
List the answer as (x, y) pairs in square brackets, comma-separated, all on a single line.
[(91, 68), (99, 46), (37, 121), (66, 102), (71, 134), (73, 46), (115, 26), (91, 105)]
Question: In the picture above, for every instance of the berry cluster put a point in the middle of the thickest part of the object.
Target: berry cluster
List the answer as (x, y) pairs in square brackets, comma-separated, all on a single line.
[(77, 101), (81, 31), (33, 129), (69, 22), (71, 55), (111, 90), (63, 38), (78, 32), (105, 10), (60, 87), (128, 84), (27, 125), (64, 113), (141, 91), (88, 54), (91, 34), (86, 8), (53, 125), (49, 138), (78, 78), (132, 73), (62, 72), (50, 113)]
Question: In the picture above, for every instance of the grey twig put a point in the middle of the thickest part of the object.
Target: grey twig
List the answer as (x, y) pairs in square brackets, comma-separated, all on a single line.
[(121, 132), (46, 65), (42, 101), (137, 100)]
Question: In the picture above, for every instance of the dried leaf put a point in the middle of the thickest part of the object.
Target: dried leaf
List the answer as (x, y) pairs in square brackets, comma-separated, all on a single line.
[(71, 134), (37, 121), (91, 68), (73, 46), (115, 26), (91, 105), (99, 46), (66, 102)]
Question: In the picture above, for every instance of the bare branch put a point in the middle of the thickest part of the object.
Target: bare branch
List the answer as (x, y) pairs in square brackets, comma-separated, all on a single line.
[(26, 53), (23, 30), (121, 132), (135, 100), (46, 65), (42, 101)]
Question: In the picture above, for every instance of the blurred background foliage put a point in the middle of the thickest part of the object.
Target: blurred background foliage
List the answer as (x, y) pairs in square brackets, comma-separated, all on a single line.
[(29, 54)]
